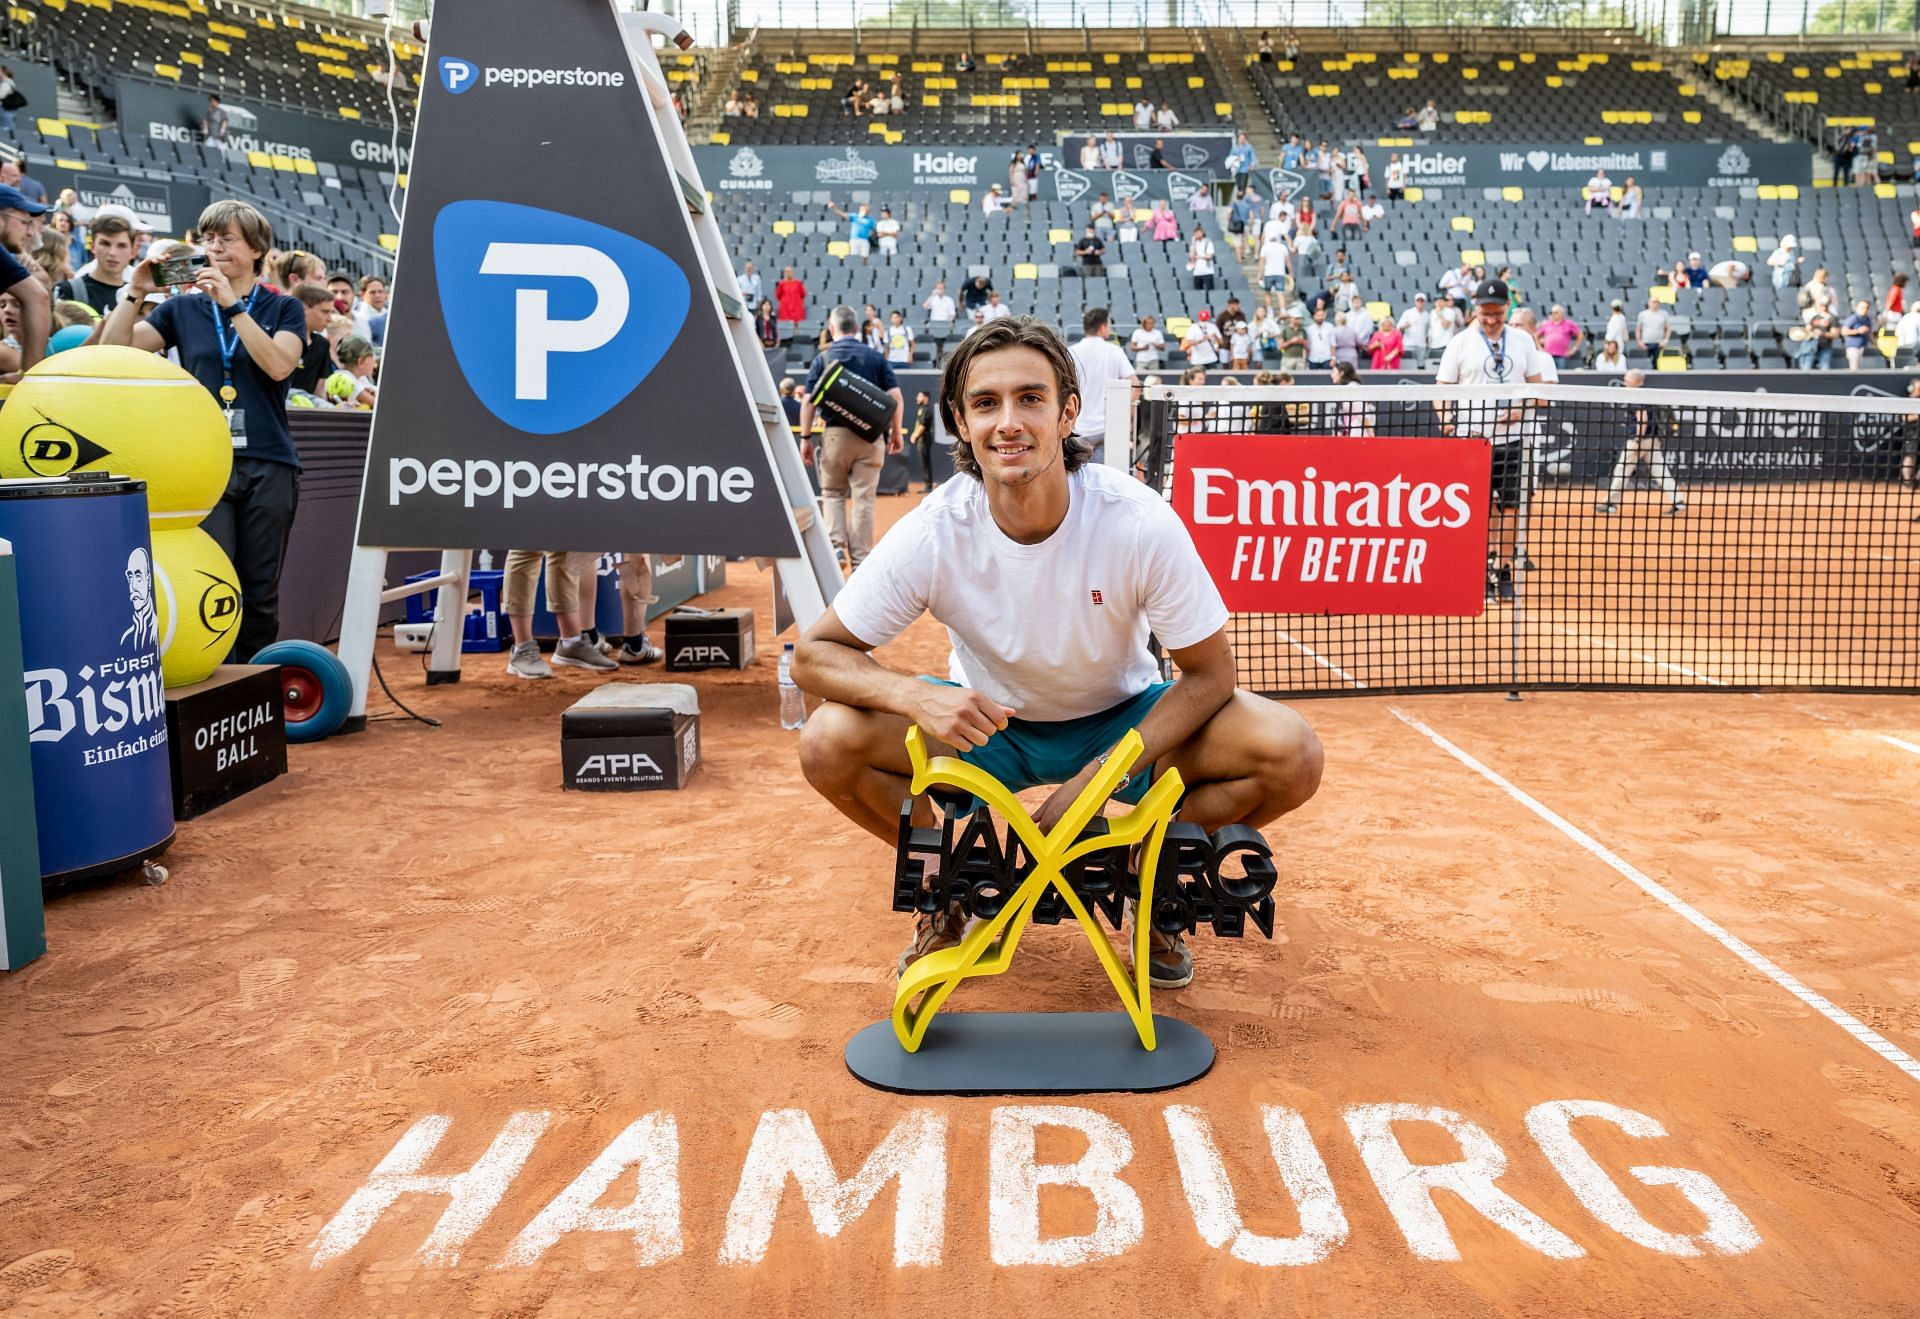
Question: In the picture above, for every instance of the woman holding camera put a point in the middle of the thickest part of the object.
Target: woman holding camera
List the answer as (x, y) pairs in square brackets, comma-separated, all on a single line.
[(241, 341)]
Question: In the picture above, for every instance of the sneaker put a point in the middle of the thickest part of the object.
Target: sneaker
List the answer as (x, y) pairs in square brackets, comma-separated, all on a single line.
[(1676, 507), (579, 653), (1493, 585), (645, 653), (524, 661), (600, 643), (933, 931), (1504, 583), (1606, 506), (1169, 961)]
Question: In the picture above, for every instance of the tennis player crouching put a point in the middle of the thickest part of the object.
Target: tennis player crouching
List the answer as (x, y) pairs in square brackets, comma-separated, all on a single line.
[(1049, 575)]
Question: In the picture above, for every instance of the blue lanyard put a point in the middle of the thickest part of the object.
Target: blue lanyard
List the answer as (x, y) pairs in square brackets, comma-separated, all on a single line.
[(230, 343), (1496, 357)]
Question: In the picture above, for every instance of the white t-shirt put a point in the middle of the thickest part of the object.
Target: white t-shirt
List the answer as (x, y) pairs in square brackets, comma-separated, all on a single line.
[(1149, 346), (1442, 324), (888, 230), (1202, 344), (1097, 361), (1599, 189), (1240, 344), (899, 344), (939, 307), (996, 311), (1413, 326), (1056, 630), (1469, 360), (1202, 256), (1616, 329), (1396, 174), (1273, 257), (1729, 273)]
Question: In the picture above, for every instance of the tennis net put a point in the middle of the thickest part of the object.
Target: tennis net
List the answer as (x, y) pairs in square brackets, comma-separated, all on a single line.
[(1621, 538)]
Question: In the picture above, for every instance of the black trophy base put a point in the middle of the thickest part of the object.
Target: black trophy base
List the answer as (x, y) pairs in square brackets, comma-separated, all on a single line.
[(1031, 1053)]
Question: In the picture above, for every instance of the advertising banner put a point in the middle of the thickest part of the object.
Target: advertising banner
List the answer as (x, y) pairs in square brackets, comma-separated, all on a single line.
[(1311, 524), (779, 172), (1204, 151), (1653, 164), (559, 379), (169, 113), (164, 206)]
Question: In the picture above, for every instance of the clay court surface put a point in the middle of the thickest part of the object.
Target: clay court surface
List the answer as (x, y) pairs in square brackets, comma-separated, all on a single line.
[(199, 1077)]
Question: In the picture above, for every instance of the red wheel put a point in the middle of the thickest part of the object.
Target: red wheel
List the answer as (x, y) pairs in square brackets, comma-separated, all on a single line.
[(315, 692), (301, 693)]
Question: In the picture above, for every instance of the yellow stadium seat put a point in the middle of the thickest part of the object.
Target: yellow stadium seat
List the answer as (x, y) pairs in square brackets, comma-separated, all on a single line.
[(1414, 194), (1026, 270), (1469, 74), (1177, 327), (1512, 194), (1462, 224), (1767, 192), (1555, 80), (1059, 235), (63, 163), (1224, 109), (193, 57), (1109, 59), (929, 100), (1379, 310), (1103, 83), (1871, 89), (1441, 57), (1883, 190), (1473, 256), (348, 112), (959, 196), (1671, 362), (1789, 192), (53, 128), (875, 126), (720, 139), (1745, 243), (1664, 293), (838, 247), (783, 227), (390, 241), (1133, 84), (895, 139), (1888, 344)]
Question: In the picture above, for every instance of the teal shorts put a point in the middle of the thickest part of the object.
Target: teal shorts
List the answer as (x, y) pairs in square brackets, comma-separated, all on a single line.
[(1032, 753)]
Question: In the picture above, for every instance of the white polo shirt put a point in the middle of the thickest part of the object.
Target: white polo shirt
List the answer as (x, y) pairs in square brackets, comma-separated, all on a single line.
[(1098, 361)]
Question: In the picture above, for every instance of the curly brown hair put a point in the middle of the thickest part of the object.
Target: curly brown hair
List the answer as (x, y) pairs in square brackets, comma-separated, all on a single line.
[(1009, 332)]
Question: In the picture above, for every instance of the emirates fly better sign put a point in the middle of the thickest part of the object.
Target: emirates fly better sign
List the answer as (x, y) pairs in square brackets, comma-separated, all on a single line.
[(1313, 524)]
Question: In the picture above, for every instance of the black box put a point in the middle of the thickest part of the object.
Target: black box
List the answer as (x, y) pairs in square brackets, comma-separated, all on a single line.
[(630, 737), (225, 736), (709, 639)]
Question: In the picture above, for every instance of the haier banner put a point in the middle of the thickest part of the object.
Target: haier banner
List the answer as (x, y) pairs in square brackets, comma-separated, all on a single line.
[(166, 112), (779, 172), (557, 372), (1652, 164)]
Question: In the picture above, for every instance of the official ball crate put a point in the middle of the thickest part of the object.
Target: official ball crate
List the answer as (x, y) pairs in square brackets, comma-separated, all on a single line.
[(630, 737), (709, 639), (225, 736)]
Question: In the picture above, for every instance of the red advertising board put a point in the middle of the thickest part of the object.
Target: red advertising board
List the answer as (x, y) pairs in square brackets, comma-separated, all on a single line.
[(1318, 524)]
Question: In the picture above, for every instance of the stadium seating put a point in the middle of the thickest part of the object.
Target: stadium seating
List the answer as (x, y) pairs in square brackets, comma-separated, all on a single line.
[(1517, 96), (1005, 98), (1827, 92)]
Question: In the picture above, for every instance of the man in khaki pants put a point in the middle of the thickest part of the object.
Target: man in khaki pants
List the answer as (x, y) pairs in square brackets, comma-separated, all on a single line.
[(565, 574), (849, 463)]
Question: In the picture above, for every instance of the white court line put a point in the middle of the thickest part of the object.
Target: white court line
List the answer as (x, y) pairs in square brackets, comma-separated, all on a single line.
[(1318, 658), (1902, 743), (1681, 669), (1846, 1021)]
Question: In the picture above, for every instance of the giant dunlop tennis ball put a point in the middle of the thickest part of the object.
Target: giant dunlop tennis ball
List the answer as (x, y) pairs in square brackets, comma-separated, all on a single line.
[(197, 599), (119, 410)]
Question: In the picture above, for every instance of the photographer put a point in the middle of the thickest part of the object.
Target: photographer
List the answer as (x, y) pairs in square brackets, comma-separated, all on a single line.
[(242, 342)]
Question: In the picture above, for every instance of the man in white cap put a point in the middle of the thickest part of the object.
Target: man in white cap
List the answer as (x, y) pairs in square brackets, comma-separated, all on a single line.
[(1413, 333), (1491, 352)]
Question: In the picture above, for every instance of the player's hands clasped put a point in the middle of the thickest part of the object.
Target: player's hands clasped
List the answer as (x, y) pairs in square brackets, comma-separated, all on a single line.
[(959, 716)]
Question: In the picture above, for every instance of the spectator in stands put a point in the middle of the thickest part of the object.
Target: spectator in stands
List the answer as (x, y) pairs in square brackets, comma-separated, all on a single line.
[(1143, 114), (1407, 122), (1356, 418), (1696, 271), (861, 227), (886, 231), (112, 254), (1157, 156), (1429, 118), (899, 339), (1101, 218), (61, 219), (19, 235), (1242, 161), (1896, 303), (1098, 361), (1091, 251), (1320, 341), (1630, 200), (1239, 343), (357, 363), (977, 293), (749, 279), (1292, 342), (1265, 328), (1866, 157), (1266, 49), (1729, 274), (242, 343), (1784, 261), (1371, 210), (316, 359), (1293, 155), (1200, 201), (1165, 119), (1561, 335), (1276, 263), (790, 404), (1653, 327), (1817, 292), (1815, 337), (1239, 219), (292, 269), (1090, 153), (1677, 277), (1857, 331), (13, 175), (1202, 342), (1149, 344), (50, 257), (1017, 178), (731, 110), (1347, 339), (1163, 226), (1913, 83), (1444, 323), (213, 125), (1616, 330), (1610, 361), (1386, 345), (1348, 219), (873, 334), (1358, 314), (939, 306), (897, 95), (371, 306), (1456, 284), (766, 324), (965, 63), (995, 203), (1308, 262), (1200, 258), (1913, 223), (749, 104), (849, 464), (1111, 156), (342, 286), (1598, 192), (1414, 323), (1906, 334), (995, 309), (1292, 47), (12, 100), (1337, 176), (790, 296)]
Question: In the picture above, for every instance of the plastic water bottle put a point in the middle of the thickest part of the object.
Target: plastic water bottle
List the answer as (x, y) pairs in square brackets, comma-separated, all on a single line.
[(793, 710)]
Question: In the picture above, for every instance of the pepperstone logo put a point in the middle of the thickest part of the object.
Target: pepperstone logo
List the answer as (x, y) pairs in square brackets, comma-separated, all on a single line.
[(457, 75), (850, 168)]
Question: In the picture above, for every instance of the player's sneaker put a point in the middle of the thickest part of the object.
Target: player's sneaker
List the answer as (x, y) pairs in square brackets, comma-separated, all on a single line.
[(644, 653), (933, 931), (1676, 508), (1169, 960), (1606, 506), (524, 661), (579, 653), (1503, 584)]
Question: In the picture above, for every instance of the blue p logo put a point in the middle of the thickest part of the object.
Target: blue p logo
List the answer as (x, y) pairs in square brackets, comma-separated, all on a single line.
[(456, 75), (541, 311)]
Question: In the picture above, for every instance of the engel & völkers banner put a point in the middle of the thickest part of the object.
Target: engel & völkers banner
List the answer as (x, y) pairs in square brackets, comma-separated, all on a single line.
[(1314, 524)]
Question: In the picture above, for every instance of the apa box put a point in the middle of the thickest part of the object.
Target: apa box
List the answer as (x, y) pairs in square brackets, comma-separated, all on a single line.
[(630, 737), (709, 639), (226, 735)]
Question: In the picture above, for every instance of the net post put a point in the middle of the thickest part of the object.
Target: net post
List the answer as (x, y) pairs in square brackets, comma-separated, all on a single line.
[(1519, 569)]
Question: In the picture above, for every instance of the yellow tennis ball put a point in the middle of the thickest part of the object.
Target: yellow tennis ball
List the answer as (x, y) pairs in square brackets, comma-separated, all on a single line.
[(119, 410), (197, 600)]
